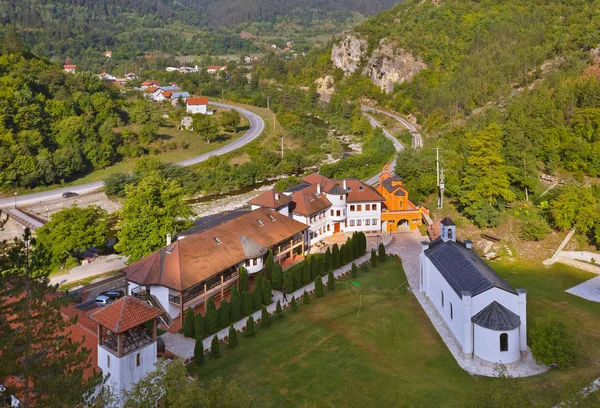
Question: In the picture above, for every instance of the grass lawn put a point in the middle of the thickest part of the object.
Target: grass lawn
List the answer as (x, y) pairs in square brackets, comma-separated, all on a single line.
[(390, 355)]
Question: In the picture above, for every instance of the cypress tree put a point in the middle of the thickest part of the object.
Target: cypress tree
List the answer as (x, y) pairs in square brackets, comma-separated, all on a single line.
[(278, 309), (293, 304), (250, 327), (224, 314), (256, 298), (232, 337), (328, 260), (246, 303), (288, 281), (211, 319), (306, 273), (269, 264), (244, 280), (354, 272), (265, 319), (313, 268), (188, 323), (199, 352), (319, 287), (297, 278), (235, 307), (199, 326), (373, 258), (330, 282), (305, 298), (267, 292), (321, 267), (356, 245), (277, 279), (258, 281), (343, 255), (336, 256), (214, 347), (349, 250), (381, 252), (363, 241)]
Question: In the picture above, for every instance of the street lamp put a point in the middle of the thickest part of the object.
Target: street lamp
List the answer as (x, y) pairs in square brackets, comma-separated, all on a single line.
[(15, 200)]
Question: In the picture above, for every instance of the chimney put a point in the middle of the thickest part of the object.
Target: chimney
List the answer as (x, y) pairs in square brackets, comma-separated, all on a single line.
[(319, 189), (276, 196), (168, 239), (345, 185), (468, 244)]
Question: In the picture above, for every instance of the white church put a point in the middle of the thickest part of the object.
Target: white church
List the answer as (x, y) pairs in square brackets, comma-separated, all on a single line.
[(485, 314)]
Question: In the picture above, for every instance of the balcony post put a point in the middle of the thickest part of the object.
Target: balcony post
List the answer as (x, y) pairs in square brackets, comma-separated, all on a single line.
[(221, 286), (204, 297), (181, 306)]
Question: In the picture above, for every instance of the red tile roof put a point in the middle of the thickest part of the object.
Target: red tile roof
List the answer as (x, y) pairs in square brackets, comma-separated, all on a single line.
[(271, 199), (149, 83), (197, 257), (217, 67), (307, 202), (151, 89), (360, 191), (70, 66), (166, 94), (315, 178), (197, 101), (124, 314)]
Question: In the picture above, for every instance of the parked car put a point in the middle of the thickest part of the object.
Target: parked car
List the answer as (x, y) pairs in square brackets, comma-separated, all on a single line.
[(102, 300), (114, 294), (69, 194)]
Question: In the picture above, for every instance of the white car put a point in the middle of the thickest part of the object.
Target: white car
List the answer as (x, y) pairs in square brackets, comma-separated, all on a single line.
[(102, 300)]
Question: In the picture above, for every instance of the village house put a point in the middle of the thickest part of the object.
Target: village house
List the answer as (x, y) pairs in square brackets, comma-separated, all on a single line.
[(107, 77), (205, 261), (69, 68), (213, 69), (179, 96), (197, 105), (108, 54), (399, 213), (486, 316), (130, 76), (147, 84)]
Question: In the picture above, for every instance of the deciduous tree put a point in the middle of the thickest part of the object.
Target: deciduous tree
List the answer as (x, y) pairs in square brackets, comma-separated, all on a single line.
[(205, 126)]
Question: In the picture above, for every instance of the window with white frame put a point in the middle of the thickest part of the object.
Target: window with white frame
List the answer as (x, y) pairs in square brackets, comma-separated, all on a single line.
[(367, 222), (358, 223), (368, 207), (374, 221), (352, 223)]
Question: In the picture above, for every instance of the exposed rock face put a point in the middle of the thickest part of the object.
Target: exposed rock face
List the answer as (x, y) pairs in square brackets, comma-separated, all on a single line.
[(325, 85), (388, 66), (347, 55)]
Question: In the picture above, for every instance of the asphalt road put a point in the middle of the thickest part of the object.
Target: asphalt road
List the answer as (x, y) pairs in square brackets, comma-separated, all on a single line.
[(417, 141), (399, 147), (257, 126)]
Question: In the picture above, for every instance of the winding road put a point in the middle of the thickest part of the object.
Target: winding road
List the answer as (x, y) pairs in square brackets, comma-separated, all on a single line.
[(257, 126), (417, 141)]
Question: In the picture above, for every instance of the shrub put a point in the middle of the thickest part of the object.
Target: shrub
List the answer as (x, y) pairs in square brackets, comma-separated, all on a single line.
[(313, 268), (214, 347), (250, 327), (244, 280), (330, 281), (265, 319), (354, 273), (535, 230), (349, 250), (305, 298), (373, 258), (551, 343), (199, 326), (288, 281), (277, 280), (256, 298), (321, 267), (364, 268), (328, 260), (211, 318), (188, 323), (319, 287), (269, 264), (278, 309), (381, 252), (235, 307), (232, 337), (224, 314), (293, 304), (266, 292), (336, 256), (343, 255), (306, 273), (246, 303), (198, 352)]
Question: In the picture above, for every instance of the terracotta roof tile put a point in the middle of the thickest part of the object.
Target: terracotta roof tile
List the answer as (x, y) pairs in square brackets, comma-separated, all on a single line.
[(271, 199), (306, 201), (124, 314), (197, 101), (359, 192)]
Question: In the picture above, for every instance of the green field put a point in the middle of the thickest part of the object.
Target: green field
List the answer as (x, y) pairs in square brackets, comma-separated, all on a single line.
[(326, 354)]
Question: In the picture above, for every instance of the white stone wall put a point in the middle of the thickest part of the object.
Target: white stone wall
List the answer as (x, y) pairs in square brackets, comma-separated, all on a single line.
[(356, 217), (487, 345), (197, 109), (251, 268)]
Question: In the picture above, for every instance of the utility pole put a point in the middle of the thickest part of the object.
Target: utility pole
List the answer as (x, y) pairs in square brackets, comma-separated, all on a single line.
[(222, 94), (437, 165), (268, 102), (442, 186)]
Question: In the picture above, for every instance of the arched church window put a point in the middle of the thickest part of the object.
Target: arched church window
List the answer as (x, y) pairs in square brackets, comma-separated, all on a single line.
[(442, 298), (137, 359), (504, 342), (451, 311), (449, 234)]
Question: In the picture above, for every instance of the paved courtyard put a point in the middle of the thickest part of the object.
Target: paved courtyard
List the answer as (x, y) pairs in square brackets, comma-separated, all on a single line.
[(589, 289)]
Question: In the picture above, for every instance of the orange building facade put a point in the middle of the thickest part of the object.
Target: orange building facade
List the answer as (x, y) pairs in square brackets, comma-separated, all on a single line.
[(398, 212)]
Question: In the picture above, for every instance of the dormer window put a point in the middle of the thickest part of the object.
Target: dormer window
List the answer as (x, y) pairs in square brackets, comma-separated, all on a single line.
[(360, 188), (170, 249), (269, 216), (260, 223), (217, 240)]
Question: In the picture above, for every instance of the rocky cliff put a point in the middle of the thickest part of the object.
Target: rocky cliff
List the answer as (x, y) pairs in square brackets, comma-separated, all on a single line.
[(386, 66)]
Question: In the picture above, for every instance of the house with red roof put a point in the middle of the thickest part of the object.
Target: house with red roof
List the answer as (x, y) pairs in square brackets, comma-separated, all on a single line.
[(69, 67), (197, 105)]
